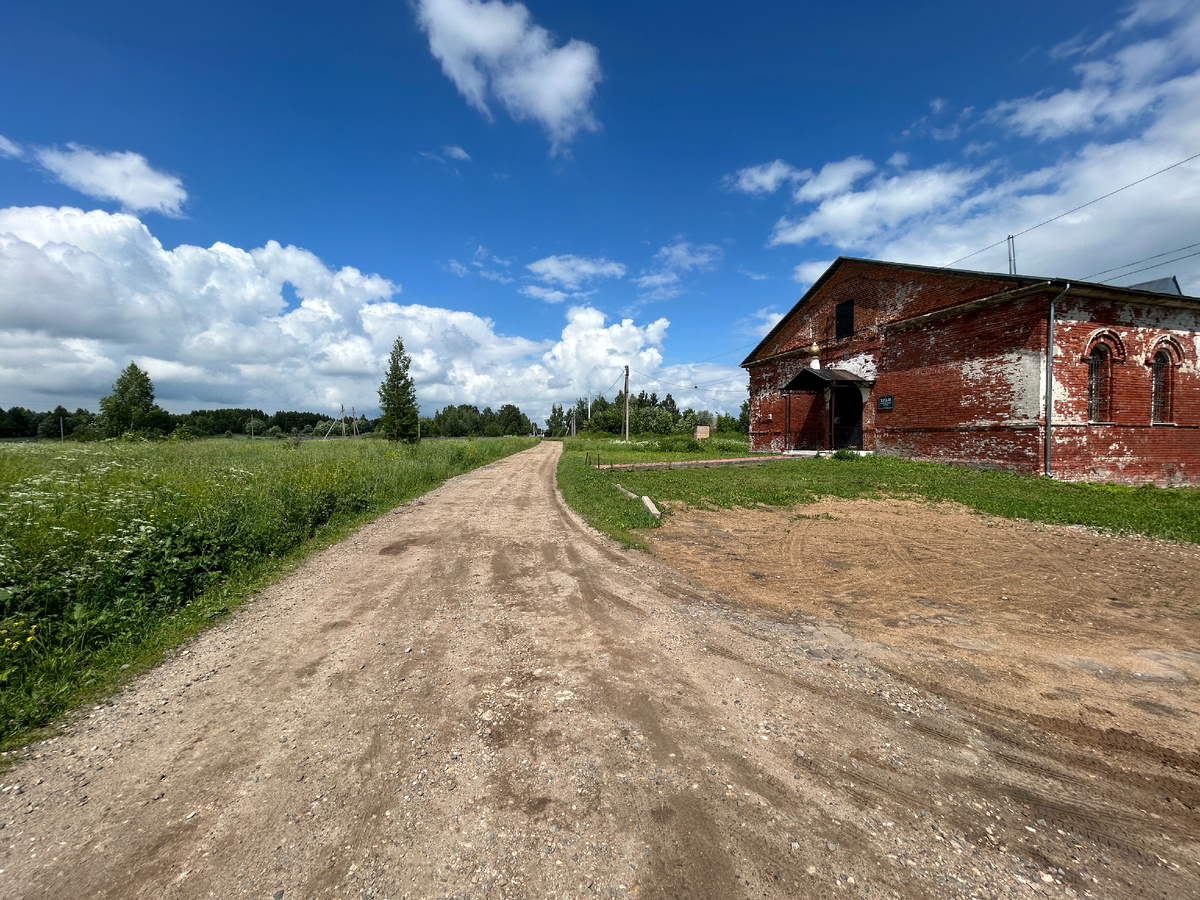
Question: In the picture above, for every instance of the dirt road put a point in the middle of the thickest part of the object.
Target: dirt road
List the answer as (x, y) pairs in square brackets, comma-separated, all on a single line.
[(476, 696)]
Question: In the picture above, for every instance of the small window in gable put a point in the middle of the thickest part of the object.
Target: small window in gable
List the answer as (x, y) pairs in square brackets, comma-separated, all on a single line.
[(844, 319)]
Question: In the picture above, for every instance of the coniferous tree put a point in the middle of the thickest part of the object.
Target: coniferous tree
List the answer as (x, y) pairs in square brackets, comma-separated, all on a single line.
[(398, 398)]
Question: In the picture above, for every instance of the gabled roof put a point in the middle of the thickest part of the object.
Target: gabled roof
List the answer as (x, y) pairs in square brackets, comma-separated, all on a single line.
[(1136, 293), (809, 380), (1168, 285)]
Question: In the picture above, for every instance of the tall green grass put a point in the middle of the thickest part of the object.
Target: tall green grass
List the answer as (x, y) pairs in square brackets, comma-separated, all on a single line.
[(1172, 513), (111, 551)]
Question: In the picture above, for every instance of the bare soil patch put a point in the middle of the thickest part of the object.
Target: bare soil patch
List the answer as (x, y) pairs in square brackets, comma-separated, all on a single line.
[(476, 696), (1088, 633)]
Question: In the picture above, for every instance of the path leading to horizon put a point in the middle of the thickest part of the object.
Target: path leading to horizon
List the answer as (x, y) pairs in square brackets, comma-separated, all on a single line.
[(477, 696)]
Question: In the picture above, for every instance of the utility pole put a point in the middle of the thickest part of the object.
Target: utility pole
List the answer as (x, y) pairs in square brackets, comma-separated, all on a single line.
[(62, 436), (573, 411), (589, 406), (1012, 255), (627, 404)]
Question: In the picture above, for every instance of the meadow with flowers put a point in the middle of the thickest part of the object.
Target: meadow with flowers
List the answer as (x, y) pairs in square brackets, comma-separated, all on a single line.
[(111, 552)]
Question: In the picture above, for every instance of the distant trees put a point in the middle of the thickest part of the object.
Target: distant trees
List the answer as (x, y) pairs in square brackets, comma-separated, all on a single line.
[(465, 420), (131, 407), (398, 398), (647, 415), (19, 422)]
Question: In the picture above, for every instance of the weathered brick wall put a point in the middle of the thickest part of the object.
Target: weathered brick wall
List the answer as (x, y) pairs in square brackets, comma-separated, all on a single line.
[(970, 387), (881, 294), (769, 407), (967, 388), (1132, 449)]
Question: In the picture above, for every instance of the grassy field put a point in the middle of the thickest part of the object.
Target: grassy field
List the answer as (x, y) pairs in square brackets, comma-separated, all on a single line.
[(1167, 513), (110, 553)]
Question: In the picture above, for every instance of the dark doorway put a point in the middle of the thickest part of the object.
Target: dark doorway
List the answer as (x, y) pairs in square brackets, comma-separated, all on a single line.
[(847, 414)]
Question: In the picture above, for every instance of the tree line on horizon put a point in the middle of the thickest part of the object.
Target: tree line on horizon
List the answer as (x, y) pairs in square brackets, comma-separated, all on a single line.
[(131, 411)]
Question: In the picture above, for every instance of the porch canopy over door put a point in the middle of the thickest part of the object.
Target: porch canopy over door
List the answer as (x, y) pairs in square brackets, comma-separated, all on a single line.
[(817, 381)]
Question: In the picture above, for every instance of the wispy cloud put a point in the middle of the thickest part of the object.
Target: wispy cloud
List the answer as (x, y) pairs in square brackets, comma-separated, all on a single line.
[(663, 280), (571, 272), (766, 178), (126, 177), (1130, 83), (493, 51), (759, 322), (8, 149), (1131, 109), (855, 217)]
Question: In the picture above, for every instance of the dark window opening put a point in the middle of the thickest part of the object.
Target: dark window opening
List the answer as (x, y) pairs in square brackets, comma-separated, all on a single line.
[(1100, 384), (1160, 387), (844, 319)]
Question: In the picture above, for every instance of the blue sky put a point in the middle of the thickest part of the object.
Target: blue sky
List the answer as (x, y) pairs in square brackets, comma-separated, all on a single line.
[(252, 200)]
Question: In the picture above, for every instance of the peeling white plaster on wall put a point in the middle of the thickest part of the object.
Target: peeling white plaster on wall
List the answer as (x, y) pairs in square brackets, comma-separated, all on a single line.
[(1144, 322), (862, 365), (1061, 397), (1134, 316), (1021, 375)]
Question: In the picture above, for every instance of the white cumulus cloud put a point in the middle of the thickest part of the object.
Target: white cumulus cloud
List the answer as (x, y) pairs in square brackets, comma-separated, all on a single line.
[(126, 177), (84, 292), (494, 51)]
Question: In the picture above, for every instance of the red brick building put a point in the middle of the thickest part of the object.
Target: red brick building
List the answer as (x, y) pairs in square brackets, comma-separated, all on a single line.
[(953, 366)]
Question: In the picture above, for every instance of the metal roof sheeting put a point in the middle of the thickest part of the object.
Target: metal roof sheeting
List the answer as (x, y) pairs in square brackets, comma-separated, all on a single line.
[(818, 379)]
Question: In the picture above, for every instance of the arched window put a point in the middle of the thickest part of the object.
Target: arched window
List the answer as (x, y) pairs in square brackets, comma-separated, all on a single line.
[(1100, 383), (1160, 387)]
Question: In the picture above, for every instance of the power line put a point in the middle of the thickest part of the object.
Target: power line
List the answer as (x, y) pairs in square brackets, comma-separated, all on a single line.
[(614, 384), (686, 387), (726, 353), (1076, 209), (1142, 260), (1156, 265)]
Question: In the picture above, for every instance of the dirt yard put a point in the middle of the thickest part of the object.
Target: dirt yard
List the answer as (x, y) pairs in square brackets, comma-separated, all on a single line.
[(478, 697)]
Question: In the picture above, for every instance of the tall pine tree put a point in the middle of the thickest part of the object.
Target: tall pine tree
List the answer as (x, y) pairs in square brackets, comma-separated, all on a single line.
[(398, 398)]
